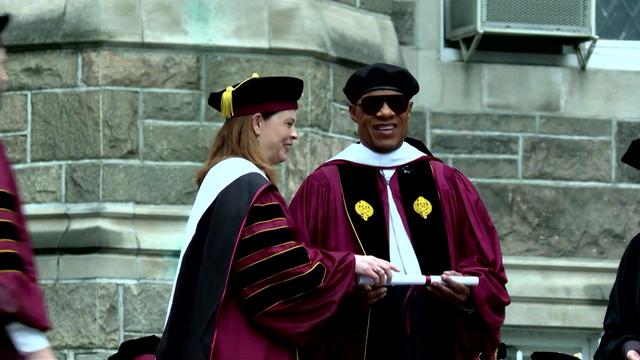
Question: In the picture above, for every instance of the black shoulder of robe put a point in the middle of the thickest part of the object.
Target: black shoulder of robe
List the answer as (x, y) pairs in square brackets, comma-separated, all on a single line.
[(622, 320)]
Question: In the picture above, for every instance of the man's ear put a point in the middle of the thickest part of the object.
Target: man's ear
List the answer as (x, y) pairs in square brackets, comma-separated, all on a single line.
[(257, 123), (410, 107), (352, 112)]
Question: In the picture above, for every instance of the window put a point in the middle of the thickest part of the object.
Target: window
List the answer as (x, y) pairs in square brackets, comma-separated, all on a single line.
[(617, 25), (618, 19)]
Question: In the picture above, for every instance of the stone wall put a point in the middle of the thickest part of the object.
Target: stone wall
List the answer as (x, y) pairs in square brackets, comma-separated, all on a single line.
[(542, 144), (106, 122), (402, 13)]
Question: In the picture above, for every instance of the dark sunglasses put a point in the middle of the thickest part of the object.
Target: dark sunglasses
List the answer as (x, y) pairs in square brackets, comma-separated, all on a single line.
[(370, 105)]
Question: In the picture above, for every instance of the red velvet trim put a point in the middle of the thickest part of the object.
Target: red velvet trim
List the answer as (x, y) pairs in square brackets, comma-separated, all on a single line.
[(265, 107), (145, 357)]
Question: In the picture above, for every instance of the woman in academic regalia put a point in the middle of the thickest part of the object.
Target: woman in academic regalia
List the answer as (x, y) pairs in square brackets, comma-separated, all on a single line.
[(247, 288)]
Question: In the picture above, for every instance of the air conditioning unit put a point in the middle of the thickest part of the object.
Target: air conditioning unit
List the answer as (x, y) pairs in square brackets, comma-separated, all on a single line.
[(570, 22)]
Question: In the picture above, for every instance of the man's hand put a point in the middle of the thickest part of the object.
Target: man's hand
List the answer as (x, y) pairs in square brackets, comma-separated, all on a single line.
[(370, 295), (44, 354), (449, 290), (633, 355)]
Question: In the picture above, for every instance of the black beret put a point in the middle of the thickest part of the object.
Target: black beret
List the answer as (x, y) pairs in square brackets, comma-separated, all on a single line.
[(258, 94), (380, 77), (4, 20), (632, 156)]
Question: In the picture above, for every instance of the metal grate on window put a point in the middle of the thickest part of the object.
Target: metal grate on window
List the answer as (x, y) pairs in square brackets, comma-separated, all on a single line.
[(555, 15), (618, 19)]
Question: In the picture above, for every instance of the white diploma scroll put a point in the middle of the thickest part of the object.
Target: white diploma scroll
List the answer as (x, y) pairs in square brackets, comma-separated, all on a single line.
[(399, 280)]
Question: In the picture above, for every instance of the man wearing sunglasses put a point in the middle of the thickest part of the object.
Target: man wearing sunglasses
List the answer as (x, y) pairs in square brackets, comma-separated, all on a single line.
[(385, 197)]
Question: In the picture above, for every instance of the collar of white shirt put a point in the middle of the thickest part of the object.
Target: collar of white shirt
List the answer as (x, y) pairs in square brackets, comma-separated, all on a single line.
[(361, 154)]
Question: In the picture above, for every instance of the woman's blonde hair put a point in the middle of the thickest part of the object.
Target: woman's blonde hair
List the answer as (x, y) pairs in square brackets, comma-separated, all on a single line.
[(236, 139)]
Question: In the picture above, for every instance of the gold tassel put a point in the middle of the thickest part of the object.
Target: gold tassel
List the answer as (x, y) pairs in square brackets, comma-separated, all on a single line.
[(226, 101)]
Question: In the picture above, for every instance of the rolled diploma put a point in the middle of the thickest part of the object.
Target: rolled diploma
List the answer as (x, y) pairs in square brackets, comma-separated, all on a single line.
[(421, 280)]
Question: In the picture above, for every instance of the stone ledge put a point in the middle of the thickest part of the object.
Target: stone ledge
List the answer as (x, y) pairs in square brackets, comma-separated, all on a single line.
[(323, 28), (107, 225), (558, 293)]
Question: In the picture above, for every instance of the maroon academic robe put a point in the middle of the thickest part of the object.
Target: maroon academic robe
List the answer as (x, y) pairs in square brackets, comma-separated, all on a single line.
[(473, 248), (247, 287), (21, 299), (273, 326)]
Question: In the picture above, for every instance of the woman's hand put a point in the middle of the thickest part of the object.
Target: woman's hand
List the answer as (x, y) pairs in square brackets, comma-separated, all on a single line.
[(449, 290), (377, 269)]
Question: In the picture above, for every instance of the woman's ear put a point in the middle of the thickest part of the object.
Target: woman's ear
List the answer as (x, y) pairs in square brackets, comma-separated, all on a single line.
[(257, 123)]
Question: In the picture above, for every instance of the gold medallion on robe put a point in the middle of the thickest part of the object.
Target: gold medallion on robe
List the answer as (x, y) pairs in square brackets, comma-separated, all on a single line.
[(364, 209), (422, 206)]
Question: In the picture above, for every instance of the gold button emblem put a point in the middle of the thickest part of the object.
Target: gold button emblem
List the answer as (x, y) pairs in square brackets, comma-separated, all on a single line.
[(422, 206), (364, 209)]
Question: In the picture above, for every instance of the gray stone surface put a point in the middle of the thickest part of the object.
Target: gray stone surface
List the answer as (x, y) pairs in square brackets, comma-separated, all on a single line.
[(588, 222), (149, 184), (403, 17), (321, 27), (626, 132), (13, 112), (483, 122), (177, 142), (418, 126), (310, 151), (102, 20), (89, 232), (474, 144), (37, 24), (158, 268), (348, 2), (56, 116), (380, 6), (40, 184), (341, 122), (452, 86), (222, 71), (91, 356), (82, 182), (85, 315), (171, 106), (602, 93), (60, 355), (575, 126), (357, 36), (42, 70), (545, 90), (149, 68), (339, 76), (561, 159), (47, 267), (16, 147), (487, 168), (295, 25), (119, 124), (97, 266), (243, 24), (145, 307)]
